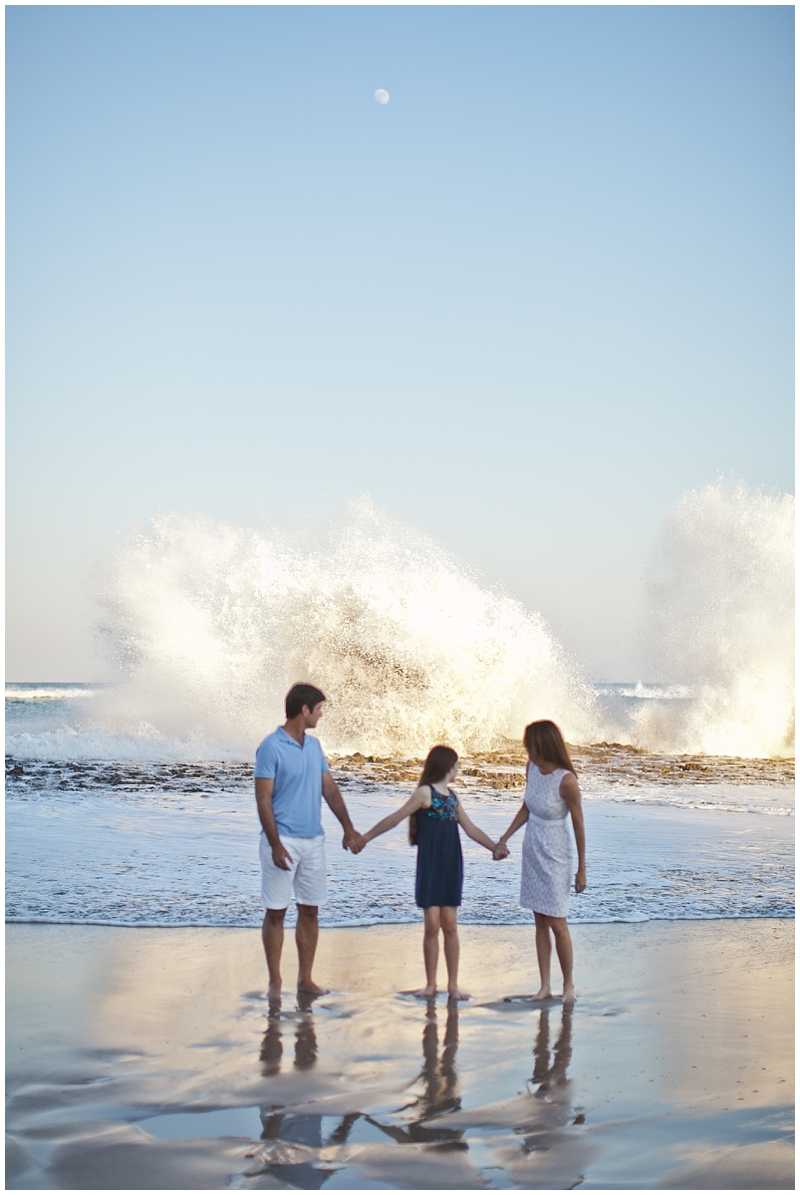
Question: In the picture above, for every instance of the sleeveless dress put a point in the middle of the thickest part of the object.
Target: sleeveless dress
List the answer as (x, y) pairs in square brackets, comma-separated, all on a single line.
[(547, 847), (440, 864)]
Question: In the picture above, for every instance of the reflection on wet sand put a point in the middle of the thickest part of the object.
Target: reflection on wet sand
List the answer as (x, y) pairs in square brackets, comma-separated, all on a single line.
[(439, 1079), (638, 1087), (551, 1074), (305, 1037), (294, 1143), (439, 1095)]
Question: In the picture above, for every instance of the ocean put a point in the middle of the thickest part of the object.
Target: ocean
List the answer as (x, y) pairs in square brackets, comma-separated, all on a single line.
[(137, 828), (131, 803)]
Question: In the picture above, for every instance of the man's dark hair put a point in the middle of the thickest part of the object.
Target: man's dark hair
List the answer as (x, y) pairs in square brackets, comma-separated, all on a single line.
[(300, 695)]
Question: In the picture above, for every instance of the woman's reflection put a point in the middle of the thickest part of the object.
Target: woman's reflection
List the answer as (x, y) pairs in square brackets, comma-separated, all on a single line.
[(550, 1074)]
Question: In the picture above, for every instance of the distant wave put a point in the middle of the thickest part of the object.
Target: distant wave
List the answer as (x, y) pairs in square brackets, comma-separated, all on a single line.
[(48, 692), (142, 744)]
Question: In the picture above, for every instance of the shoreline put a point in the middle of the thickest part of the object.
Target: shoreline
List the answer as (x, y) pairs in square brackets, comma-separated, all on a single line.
[(354, 925), (152, 1060)]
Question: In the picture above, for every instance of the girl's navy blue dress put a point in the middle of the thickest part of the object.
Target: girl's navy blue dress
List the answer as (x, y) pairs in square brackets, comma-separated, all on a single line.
[(440, 864)]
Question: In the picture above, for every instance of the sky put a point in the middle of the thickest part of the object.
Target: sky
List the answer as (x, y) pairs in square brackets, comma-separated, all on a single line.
[(525, 305)]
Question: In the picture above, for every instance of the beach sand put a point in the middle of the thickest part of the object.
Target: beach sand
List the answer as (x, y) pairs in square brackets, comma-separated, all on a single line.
[(149, 1058)]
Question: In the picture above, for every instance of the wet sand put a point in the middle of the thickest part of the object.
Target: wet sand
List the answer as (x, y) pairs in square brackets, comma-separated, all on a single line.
[(143, 1058)]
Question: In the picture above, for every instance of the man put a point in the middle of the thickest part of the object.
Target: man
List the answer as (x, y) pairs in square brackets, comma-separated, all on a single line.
[(292, 776)]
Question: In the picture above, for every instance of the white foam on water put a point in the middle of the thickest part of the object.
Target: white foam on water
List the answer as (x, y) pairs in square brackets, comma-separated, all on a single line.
[(15, 692), (139, 744), (722, 622)]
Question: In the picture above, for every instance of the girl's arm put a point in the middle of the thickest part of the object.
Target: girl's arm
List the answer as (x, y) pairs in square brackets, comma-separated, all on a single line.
[(569, 792), (472, 831), (416, 801)]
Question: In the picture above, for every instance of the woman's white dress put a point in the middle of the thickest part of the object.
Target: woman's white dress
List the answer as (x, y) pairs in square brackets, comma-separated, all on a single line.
[(547, 847)]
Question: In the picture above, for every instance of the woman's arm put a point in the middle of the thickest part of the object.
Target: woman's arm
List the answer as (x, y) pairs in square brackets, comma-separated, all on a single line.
[(416, 801), (518, 821), (571, 794), (472, 831)]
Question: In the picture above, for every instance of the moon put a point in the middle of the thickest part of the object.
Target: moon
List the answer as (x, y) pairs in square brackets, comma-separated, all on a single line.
[(382, 96)]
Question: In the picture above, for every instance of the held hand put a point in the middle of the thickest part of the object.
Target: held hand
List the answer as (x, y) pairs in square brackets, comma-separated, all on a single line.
[(580, 879), (281, 857), (353, 841), (500, 851)]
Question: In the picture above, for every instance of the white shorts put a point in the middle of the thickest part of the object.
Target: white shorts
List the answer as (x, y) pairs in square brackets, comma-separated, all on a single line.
[(307, 875)]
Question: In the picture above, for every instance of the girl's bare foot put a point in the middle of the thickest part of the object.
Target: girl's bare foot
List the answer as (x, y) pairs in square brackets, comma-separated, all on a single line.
[(544, 993), (427, 991), (274, 990), (569, 997), (457, 994)]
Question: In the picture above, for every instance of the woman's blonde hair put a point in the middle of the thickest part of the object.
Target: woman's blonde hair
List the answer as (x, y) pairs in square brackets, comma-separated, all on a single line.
[(545, 741)]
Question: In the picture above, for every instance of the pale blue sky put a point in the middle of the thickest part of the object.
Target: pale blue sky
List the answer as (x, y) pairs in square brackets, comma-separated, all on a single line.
[(525, 305)]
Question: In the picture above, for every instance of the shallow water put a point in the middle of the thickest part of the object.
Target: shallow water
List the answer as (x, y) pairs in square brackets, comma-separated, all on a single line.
[(177, 844), (153, 831)]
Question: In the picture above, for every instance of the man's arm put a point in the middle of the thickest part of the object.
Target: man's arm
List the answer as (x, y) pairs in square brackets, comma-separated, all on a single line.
[(280, 855), (330, 791)]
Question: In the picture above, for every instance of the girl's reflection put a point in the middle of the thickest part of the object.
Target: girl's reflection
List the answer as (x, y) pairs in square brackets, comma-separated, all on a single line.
[(440, 1079)]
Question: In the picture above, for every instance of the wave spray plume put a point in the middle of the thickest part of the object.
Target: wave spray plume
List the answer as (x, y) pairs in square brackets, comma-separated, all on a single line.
[(722, 621), (212, 623)]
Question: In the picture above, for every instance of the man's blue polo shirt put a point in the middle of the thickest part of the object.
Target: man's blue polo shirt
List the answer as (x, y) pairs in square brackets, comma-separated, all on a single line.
[(297, 772)]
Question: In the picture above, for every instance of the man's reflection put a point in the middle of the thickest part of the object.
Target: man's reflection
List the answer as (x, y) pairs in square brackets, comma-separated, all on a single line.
[(271, 1050), (278, 1126), (305, 1037)]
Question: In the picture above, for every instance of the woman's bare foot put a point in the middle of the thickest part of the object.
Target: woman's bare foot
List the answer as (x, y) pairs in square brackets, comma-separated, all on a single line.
[(544, 993), (274, 990), (312, 989), (569, 997), (426, 992), (457, 994)]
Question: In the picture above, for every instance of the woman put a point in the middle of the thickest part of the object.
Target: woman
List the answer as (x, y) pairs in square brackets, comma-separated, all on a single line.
[(551, 792)]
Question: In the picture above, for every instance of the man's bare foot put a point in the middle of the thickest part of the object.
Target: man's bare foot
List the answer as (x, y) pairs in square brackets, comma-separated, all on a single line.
[(426, 992), (569, 997), (274, 990), (312, 989), (457, 994), (544, 993)]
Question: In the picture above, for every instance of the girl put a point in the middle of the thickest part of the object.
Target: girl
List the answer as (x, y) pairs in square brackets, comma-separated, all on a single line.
[(436, 813), (551, 792)]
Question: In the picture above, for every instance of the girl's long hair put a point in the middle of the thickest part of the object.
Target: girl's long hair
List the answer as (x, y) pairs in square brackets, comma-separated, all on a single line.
[(439, 762), (546, 742)]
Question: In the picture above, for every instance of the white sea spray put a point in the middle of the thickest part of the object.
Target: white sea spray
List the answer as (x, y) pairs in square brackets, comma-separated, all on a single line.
[(721, 620), (211, 624)]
